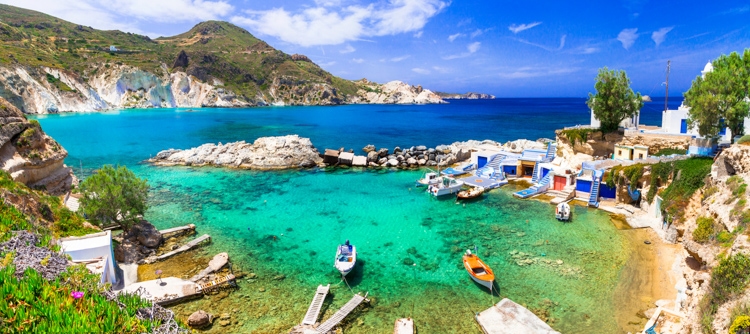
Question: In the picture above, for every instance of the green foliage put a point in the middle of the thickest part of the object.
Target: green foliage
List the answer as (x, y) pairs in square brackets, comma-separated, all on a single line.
[(34, 305), (705, 230), (24, 139), (577, 135), (114, 194), (721, 95), (745, 140), (614, 99), (689, 176), (618, 174), (59, 84), (728, 279), (737, 185), (669, 151)]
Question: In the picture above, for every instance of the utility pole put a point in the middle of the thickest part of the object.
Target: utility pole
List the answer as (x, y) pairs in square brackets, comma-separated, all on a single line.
[(666, 97)]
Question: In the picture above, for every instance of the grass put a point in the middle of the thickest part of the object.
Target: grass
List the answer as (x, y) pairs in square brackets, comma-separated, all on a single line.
[(687, 177)]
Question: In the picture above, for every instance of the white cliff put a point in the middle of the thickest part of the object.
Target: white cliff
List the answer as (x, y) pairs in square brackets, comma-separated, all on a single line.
[(396, 92)]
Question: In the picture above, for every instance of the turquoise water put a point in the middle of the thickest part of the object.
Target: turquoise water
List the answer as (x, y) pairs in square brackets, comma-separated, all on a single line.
[(410, 244)]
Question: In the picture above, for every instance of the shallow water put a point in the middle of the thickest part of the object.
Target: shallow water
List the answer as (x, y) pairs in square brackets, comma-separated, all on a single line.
[(409, 243)]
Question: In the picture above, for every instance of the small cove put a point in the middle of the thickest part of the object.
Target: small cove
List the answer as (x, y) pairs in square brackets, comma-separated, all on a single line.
[(288, 223)]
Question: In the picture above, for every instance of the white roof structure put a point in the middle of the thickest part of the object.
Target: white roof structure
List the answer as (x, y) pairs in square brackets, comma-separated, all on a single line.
[(94, 250), (707, 69)]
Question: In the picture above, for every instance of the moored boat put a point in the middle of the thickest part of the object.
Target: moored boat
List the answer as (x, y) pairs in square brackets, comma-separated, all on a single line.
[(479, 271), (446, 186), (427, 179), (404, 326), (471, 193), (346, 258), (562, 212)]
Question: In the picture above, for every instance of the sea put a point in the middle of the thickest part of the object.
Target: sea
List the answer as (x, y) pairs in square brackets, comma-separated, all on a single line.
[(282, 227)]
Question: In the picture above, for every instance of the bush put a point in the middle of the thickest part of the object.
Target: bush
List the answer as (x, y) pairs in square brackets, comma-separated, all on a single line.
[(704, 231), (727, 279), (740, 324), (577, 135), (670, 151), (745, 140)]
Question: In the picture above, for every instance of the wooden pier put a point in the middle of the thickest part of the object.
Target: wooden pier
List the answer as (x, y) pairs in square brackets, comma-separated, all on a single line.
[(341, 314), (317, 303), (179, 230), (182, 248)]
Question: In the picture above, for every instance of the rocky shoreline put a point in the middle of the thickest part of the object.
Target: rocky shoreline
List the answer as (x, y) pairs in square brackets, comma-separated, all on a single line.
[(293, 151)]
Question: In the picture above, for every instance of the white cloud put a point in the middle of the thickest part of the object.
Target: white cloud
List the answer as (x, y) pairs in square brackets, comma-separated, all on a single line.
[(533, 72), (453, 37), (660, 35), (326, 64), (347, 49), (398, 59), (418, 34), (477, 33), (472, 48), (516, 28), (358, 60), (627, 37), (420, 70), (169, 10), (330, 25), (441, 69), (548, 48), (589, 50)]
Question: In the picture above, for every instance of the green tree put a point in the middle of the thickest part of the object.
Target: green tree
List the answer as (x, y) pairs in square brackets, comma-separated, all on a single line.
[(721, 95), (614, 100), (114, 194)]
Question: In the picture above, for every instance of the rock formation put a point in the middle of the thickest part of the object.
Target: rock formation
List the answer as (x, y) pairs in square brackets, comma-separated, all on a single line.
[(199, 319), (139, 242), (395, 92), (266, 153), (467, 96), (29, 155)]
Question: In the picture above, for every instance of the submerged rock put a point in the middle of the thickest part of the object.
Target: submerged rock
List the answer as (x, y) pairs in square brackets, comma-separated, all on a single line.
[(199, 319)]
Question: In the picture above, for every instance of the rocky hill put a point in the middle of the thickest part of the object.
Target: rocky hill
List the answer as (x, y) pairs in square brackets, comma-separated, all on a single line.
[(49, 65), (467, 96), (29, 155)]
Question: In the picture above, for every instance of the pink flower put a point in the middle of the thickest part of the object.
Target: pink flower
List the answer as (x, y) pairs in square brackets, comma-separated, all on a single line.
[(76, 294)]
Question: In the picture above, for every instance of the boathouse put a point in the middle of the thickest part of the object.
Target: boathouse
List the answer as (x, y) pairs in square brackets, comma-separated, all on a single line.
[(95, 251), (528, 160)]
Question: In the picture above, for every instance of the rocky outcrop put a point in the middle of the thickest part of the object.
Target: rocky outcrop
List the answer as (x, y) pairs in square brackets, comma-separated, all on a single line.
[(219, 261), (467, 96), (395, 92), (29, 155), (139, 242), (199, 319), (266, 153)]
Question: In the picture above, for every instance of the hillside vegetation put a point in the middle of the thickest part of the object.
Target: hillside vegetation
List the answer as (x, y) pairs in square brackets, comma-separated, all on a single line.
[(216, 52)]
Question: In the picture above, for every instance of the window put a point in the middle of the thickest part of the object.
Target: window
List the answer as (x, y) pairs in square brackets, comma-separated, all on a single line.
[(640, 155), (619, 152)]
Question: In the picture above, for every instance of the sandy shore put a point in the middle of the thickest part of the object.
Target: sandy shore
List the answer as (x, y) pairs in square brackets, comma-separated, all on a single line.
[(649, 275)]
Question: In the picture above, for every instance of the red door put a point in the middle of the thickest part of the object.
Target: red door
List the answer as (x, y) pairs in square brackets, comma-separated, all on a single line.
[(560, 182)]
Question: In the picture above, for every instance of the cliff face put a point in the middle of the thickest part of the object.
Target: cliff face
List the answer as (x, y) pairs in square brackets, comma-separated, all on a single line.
[(467, 96), (395, 92), (29, 155), (722, 200)]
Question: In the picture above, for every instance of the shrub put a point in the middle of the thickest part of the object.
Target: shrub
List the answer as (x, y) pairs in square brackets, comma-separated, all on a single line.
[(705, 230), (669, 151), (745, 140), (740, 324), (577, 135), (730, 277)]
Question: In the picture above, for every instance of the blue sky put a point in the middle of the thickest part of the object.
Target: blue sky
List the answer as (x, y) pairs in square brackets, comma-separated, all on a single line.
[(509, 49)]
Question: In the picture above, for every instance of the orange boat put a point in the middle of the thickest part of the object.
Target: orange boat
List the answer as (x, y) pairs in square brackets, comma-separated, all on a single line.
[(479, 271)]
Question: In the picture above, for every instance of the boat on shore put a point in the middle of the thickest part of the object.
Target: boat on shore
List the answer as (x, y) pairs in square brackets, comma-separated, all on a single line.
[(346, 258), (404, 326), (562, 212), (479, 271), (446, 186), (471, 193), (427, 179)]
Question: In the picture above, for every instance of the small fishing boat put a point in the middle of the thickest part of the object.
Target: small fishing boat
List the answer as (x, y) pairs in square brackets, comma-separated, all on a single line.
[(446, 186), (427, 179), (479, 271), (562, 212), (470, 193), (404, 326), (346, 258)]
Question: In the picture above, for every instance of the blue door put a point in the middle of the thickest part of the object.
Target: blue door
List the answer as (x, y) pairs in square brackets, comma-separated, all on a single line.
[(723, 127), (544, 172), (481, 161), (683, 126)]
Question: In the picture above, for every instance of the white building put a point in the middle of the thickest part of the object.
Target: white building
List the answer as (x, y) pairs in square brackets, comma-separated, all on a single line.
[(628, 123), (95, 251), (675, 121)]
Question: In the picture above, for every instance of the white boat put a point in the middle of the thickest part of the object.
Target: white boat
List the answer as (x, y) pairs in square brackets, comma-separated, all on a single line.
[(446, 186), (427, 179), (346, 258), (562, 212)]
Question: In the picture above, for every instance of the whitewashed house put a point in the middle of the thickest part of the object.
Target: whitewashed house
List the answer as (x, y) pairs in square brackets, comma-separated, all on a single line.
[(95, 251)]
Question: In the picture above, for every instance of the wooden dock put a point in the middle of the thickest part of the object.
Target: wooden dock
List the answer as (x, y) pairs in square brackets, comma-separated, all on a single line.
[(341, 314), (183, 248), (178, 230), (311, 317)]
